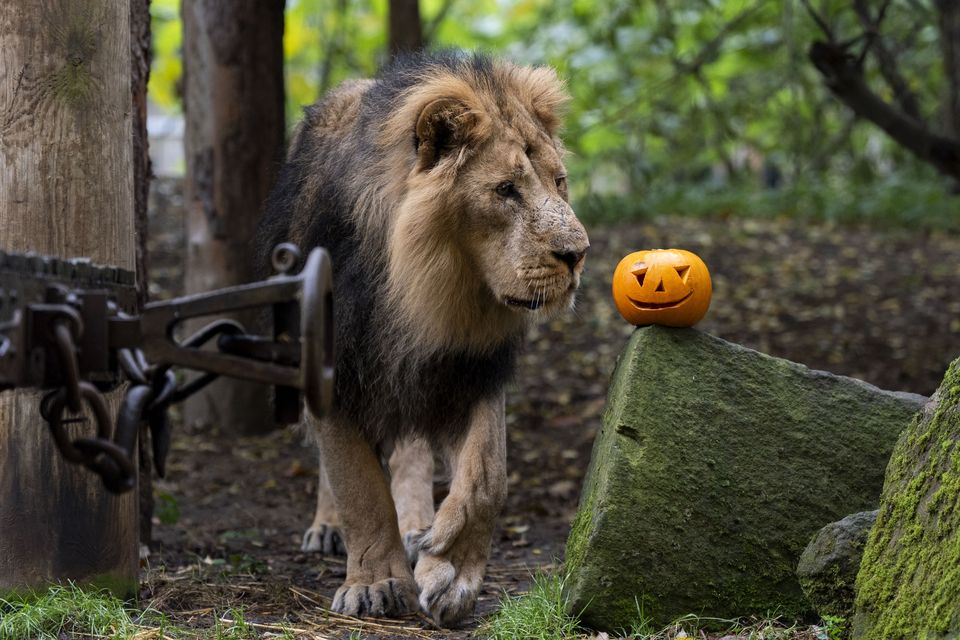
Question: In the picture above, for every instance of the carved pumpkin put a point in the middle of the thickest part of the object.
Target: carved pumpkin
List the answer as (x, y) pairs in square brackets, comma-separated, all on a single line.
[(670, 287)]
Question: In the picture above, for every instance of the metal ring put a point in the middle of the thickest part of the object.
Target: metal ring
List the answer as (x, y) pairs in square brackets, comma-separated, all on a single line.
[(133, 409), (317, 333), (164, 391), (56, 405), (285, 257), (212, 330), (66, 349), (110, 462), (131, 366)]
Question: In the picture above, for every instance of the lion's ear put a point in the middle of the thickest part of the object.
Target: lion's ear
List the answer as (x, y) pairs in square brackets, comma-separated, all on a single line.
[(445, 126)]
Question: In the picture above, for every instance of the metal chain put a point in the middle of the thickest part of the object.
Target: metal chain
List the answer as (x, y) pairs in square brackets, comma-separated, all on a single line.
[(66, 327), (152, 391)]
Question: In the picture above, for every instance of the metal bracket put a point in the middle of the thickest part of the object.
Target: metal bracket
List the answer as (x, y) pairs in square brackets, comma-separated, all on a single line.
[(82, 341)]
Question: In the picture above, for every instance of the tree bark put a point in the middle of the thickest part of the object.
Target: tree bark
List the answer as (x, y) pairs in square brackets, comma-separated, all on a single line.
[(140, 74), (234, 103), (66, 189), (406, 28)]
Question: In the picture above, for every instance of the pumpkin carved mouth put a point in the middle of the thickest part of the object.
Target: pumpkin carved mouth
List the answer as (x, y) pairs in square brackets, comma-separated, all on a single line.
[(661, 305)]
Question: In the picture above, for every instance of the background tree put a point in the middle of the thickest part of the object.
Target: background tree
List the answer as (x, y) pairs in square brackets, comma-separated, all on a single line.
[(234, 106), (843, 66), (685, 106), (406, 30)]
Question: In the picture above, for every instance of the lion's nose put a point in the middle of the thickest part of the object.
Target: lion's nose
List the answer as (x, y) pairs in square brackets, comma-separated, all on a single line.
[(570, 257)]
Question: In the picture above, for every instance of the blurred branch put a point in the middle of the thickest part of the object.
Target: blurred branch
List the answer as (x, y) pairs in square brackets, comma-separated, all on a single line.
[(821, 22), (844, 77), (886, 61), (709, 52), (724, 130), (332, 44), (430, 30), (828, 151), (921, 9)]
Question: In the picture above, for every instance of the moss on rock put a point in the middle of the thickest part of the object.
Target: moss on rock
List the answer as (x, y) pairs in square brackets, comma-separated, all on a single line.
[(909, 580), (714, 467), (828, 566)]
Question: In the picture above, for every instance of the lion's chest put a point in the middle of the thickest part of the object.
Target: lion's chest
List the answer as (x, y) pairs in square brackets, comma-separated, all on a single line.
[(432, 398)]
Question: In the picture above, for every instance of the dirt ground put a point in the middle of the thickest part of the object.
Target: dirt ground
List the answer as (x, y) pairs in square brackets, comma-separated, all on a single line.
[(881, 305)]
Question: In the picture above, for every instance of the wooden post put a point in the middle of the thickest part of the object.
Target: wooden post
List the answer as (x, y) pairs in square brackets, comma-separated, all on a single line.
[(66, 189), (233, 99)]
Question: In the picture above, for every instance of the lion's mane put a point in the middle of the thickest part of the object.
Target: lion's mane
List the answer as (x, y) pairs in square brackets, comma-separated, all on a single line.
[(412, 355)]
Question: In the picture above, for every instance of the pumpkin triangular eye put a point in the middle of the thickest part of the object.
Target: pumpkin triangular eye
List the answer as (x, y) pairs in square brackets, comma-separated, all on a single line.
[(639, 270), (683, 272)]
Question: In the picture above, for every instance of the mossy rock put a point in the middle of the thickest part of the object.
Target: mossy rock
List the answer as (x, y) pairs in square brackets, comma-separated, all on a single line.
[(828, 566), (909, 580), (714, 467)]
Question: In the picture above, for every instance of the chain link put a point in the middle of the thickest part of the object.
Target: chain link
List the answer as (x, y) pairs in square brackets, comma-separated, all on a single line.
[(146, 401)]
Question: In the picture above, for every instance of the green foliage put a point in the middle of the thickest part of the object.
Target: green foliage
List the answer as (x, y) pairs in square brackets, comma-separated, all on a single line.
[(836, 627), (905, 199), (713, 99), (166, 508), (167, 67)]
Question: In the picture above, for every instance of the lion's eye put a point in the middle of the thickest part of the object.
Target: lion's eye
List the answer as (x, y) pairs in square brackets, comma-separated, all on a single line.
[(507, 190), (561, 182)]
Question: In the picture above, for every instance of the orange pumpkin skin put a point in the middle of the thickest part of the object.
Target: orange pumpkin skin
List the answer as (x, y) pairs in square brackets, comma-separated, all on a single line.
[(669, 287)]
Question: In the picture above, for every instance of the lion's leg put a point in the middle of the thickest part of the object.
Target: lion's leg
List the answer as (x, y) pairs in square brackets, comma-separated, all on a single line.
[(379, 581), (324, 534), (454, 551), (411, 483)]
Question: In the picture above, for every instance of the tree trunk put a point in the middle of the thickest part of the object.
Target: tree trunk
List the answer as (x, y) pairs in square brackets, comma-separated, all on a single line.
[(66, 189), (140, 74), (406, 29), (234, 102)]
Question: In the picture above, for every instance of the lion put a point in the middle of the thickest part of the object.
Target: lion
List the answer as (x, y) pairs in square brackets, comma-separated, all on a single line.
[(439, 190)]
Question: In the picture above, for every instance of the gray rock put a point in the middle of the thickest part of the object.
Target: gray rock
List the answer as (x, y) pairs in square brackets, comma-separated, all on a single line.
[(909, 580), (714, 467), (828, 566)]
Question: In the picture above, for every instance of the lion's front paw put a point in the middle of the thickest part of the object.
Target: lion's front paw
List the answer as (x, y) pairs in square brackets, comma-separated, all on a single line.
[(450, 581), (324, 538), (387, 598)]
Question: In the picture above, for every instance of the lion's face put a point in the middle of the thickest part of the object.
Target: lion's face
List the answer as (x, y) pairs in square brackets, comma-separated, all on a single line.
[(527, 243), (483, 238)]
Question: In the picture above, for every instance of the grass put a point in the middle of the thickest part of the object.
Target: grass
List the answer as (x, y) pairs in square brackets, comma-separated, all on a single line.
[(72, 612), (540, 614), (64, 610)]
